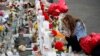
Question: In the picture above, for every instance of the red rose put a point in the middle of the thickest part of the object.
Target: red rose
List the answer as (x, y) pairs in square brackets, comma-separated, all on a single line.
[(54, 33), (42, 6), (46, 16), (35, 48), (59, 45), (1, 13), (50, 26)]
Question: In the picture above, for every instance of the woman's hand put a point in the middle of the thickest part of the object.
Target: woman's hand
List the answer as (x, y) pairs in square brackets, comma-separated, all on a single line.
[(66, 33)]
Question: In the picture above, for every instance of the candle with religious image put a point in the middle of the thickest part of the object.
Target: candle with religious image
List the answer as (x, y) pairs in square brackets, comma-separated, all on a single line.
[(40, 20)]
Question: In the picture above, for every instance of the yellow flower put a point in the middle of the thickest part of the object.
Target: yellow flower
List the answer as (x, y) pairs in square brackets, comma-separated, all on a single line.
[(1, 28), (35, 25)]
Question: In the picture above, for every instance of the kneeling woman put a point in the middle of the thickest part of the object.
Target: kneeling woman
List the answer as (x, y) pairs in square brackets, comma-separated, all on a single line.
[(74, 29)]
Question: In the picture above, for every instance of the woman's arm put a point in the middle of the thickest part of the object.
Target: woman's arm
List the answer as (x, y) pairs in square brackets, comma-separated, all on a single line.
[(80, 30)]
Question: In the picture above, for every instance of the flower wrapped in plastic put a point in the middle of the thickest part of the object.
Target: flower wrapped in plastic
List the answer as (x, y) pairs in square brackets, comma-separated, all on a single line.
[(57, 34), (59, 46)]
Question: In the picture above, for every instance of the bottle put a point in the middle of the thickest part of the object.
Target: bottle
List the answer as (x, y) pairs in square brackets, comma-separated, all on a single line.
[(15, 52), (70, 51), (9, 53)]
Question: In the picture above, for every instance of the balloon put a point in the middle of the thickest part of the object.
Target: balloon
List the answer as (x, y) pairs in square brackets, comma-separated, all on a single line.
[(52, 8), (62, 2), (88, 43), (56, 8)]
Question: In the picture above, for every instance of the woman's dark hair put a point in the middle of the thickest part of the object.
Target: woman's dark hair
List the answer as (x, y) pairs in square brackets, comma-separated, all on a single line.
[(70, 22)]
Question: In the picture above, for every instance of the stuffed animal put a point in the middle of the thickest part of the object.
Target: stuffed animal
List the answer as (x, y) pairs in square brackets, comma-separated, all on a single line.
[(22, 48)]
